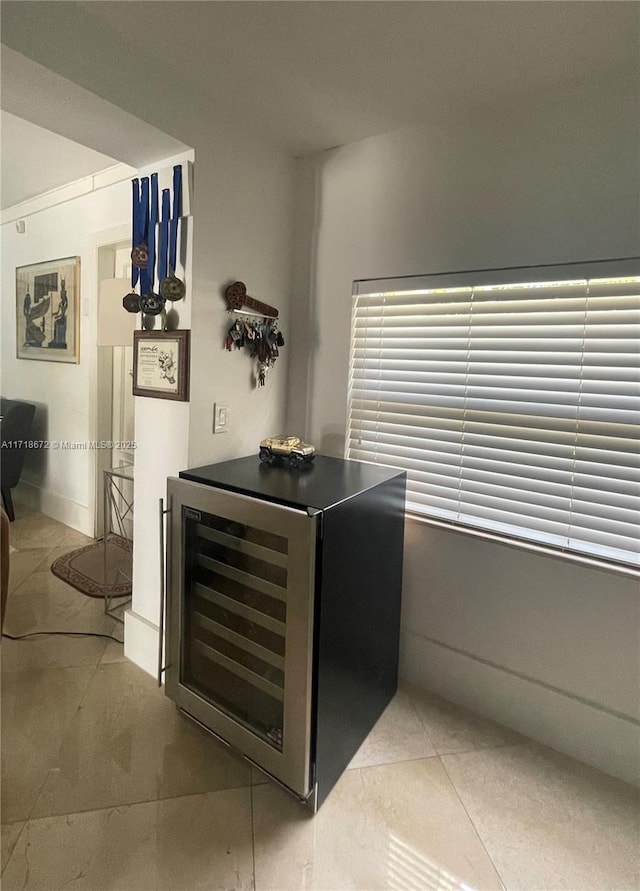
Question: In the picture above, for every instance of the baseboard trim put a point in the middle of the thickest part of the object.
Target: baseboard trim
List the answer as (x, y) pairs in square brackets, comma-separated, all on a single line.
[(66, 511), (141, 642), (605, 740)]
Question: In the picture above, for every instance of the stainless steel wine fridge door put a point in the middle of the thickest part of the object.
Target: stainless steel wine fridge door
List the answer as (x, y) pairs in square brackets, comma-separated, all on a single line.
[(239, 623)]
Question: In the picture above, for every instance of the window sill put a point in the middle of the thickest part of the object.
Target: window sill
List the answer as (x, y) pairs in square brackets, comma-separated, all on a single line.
[(531, 547)]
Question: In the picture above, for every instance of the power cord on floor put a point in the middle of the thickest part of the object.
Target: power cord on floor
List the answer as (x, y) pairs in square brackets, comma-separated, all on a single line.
[(64, 633)]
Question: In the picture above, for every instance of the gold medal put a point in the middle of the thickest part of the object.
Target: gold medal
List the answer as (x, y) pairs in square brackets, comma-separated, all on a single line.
[(151, 304), (131, 302), (172, 288), (140, 256)]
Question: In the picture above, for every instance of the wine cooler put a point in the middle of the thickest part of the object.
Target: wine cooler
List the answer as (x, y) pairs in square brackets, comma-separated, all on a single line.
[(283, 610)]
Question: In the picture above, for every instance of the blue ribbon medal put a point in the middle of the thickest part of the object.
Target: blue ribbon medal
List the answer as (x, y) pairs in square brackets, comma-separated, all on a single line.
[(171, 287), (151, 303), (131, 301), (140, 228)]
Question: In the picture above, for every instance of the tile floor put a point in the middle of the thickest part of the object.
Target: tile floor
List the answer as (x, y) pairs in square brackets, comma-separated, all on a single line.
[(106, 786)]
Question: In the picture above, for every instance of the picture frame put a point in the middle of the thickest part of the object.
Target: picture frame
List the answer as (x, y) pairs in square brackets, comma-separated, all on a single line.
[(161, 364), (48, 310)]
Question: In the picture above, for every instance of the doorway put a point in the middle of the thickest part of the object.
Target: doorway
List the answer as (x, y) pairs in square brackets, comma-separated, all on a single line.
[(114, 415)]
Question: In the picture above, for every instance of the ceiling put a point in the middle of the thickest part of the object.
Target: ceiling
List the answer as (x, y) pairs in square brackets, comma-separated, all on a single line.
[(312, 75), (25, 146)]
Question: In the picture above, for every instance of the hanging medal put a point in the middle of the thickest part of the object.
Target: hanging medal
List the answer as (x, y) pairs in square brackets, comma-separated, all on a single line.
[(152, 304), (163, 240), (140, 251), (135, 226), (171, 287), (131, 301)]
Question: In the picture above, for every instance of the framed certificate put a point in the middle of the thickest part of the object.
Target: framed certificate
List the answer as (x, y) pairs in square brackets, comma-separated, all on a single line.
[(161, 364)]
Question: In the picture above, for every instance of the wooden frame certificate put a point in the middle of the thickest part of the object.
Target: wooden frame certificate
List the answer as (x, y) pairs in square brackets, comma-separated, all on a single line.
[(161, 364)]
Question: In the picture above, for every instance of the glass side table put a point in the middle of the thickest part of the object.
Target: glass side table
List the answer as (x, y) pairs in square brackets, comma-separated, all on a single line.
[(118, 537)]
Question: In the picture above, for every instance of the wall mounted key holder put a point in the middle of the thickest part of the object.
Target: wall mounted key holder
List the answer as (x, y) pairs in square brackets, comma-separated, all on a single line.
[(255, 327), (239, 301)]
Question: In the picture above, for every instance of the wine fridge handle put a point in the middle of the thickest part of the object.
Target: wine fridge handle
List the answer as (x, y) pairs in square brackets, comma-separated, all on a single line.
[(161, 515)]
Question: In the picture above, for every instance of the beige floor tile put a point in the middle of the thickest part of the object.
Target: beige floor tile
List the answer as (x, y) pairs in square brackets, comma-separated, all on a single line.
[(396, 826), (45, 603), (21, 504), (73, 539), (548, 821), (23, 563), (258, 777), (118, 606), (34, 530), (114, 652), (455, 729), (77, 541), (196, 842), (44, 598), (128, 743), (50, 651), (43, 581), (51, 555), (10, 833), (399, 735), (37, 708)]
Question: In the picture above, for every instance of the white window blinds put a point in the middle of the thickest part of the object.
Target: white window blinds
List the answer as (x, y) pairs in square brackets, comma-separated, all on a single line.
[(513, 406)]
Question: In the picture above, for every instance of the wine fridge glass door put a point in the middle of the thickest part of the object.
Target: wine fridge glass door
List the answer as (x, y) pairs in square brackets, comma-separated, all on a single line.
[(240, 607)]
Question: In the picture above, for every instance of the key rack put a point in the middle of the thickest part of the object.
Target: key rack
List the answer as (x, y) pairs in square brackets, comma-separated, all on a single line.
[(260, 333), (239, 301), (251, 313)]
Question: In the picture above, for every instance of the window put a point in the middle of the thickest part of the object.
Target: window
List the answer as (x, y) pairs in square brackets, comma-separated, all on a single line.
[(511, 398)]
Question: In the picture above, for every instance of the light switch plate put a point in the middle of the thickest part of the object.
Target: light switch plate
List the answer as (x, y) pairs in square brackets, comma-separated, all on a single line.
[(220, 417)]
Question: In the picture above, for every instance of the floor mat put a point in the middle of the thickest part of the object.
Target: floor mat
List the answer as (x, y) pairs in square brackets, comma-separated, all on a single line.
[(84, 568)]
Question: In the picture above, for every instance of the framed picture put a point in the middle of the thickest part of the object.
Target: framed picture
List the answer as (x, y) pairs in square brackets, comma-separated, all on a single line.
[(48, 310), (161, 364)]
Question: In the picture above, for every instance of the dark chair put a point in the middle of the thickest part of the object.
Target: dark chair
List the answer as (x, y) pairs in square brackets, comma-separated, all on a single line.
[(15, 426), (4, 565)]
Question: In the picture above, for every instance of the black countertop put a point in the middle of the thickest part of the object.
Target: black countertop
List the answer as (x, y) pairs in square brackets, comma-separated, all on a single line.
[(320, 484)]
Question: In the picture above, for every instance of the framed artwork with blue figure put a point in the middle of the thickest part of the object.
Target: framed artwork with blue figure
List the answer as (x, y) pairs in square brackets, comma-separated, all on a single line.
[(47, 310)]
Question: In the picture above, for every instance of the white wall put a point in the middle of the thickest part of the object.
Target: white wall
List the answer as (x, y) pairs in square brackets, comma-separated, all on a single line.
[(241, 229), (548, 647), (60, 482), (244, 210), (162, 445)]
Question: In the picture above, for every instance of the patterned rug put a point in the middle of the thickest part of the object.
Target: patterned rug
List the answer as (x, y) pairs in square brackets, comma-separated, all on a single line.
[(83, 568)]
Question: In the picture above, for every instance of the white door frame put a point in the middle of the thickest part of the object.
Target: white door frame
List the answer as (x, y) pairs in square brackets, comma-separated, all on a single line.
[(101, 381)]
